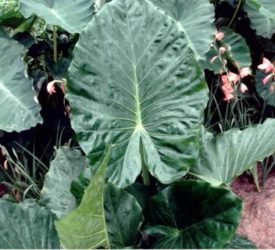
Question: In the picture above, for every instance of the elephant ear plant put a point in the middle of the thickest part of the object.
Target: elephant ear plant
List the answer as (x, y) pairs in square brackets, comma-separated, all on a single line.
[(137, 87)]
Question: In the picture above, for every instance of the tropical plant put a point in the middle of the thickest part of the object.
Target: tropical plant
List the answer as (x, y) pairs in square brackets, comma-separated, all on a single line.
[(152, 172)]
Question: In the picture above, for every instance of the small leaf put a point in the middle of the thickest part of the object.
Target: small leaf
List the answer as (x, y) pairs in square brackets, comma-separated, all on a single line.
[(85, 227), (192, 214), (72, 16), (228, 155), (264, 89), (26, 226), (123, 217), (56, 195)]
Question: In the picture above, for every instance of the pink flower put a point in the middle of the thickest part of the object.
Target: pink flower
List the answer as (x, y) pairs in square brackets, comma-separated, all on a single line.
[(245, 72), (51, 87), (227, 88), (222, 50), (243, 88), (266, 65), (219, 36), (213, 59), (232, 77), (267, 78)]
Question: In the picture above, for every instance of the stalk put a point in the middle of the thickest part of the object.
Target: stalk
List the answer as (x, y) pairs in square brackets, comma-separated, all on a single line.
[(54, 44)]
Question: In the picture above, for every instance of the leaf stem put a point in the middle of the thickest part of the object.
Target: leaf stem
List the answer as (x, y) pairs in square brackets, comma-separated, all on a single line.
[(235, 13), (54, 44), (144, 170)]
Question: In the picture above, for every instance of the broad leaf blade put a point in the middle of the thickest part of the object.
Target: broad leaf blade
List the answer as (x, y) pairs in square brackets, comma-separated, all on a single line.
[(72, 16), (26, 226), (195, 18), (134, 80), (228, 155), (123, 217), (192, 214), (18, 109), (56, 195), (85, 227), (262, 17)]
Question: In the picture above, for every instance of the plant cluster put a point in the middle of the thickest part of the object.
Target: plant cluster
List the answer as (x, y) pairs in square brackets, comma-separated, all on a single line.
[(154, 108)]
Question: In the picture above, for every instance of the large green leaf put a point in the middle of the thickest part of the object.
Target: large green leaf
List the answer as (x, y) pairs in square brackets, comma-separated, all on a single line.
[(228, 155), (134, 83), (18, 109), (262, 16), (192, 214), (66, 166), (123, 217), (26, 226), (195, 18), (72, 15), (85, 227), (240, 242), (264, 89)]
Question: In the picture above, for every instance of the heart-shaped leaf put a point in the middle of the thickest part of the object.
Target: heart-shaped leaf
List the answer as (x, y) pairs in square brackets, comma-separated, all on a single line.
[(195, 18), (26, 226), (193, 215), (56, 195), (134, 83), (18, 109), (228, 155), (72, 16), (262, 17)]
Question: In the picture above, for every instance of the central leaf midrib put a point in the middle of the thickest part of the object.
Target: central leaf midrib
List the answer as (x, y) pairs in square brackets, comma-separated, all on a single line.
[(137, 99)]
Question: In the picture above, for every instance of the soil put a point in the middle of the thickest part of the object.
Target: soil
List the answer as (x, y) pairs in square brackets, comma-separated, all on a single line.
[(258, 219)]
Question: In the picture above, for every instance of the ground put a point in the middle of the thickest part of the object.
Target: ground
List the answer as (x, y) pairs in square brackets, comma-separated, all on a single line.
[(258, 220)]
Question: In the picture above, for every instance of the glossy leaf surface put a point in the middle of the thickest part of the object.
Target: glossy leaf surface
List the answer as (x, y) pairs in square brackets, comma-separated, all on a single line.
[(192, 214)]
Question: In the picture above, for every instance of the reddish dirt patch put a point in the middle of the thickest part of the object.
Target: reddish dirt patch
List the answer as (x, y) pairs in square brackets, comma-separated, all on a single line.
[(258, 220)]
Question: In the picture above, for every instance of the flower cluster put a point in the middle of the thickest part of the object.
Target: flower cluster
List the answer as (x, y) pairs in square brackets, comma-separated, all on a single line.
[(269, 69), (232, 81)]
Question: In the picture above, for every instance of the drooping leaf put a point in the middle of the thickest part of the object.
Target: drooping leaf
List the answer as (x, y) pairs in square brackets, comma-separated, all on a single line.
[(264, 89), (262, 17), (134, 81), (240, 242), (192, 214), (72, 16), (123, 217), (56, 195), (228, 155), (85, 227), (26, 226), (18, 108), (195, 18)]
